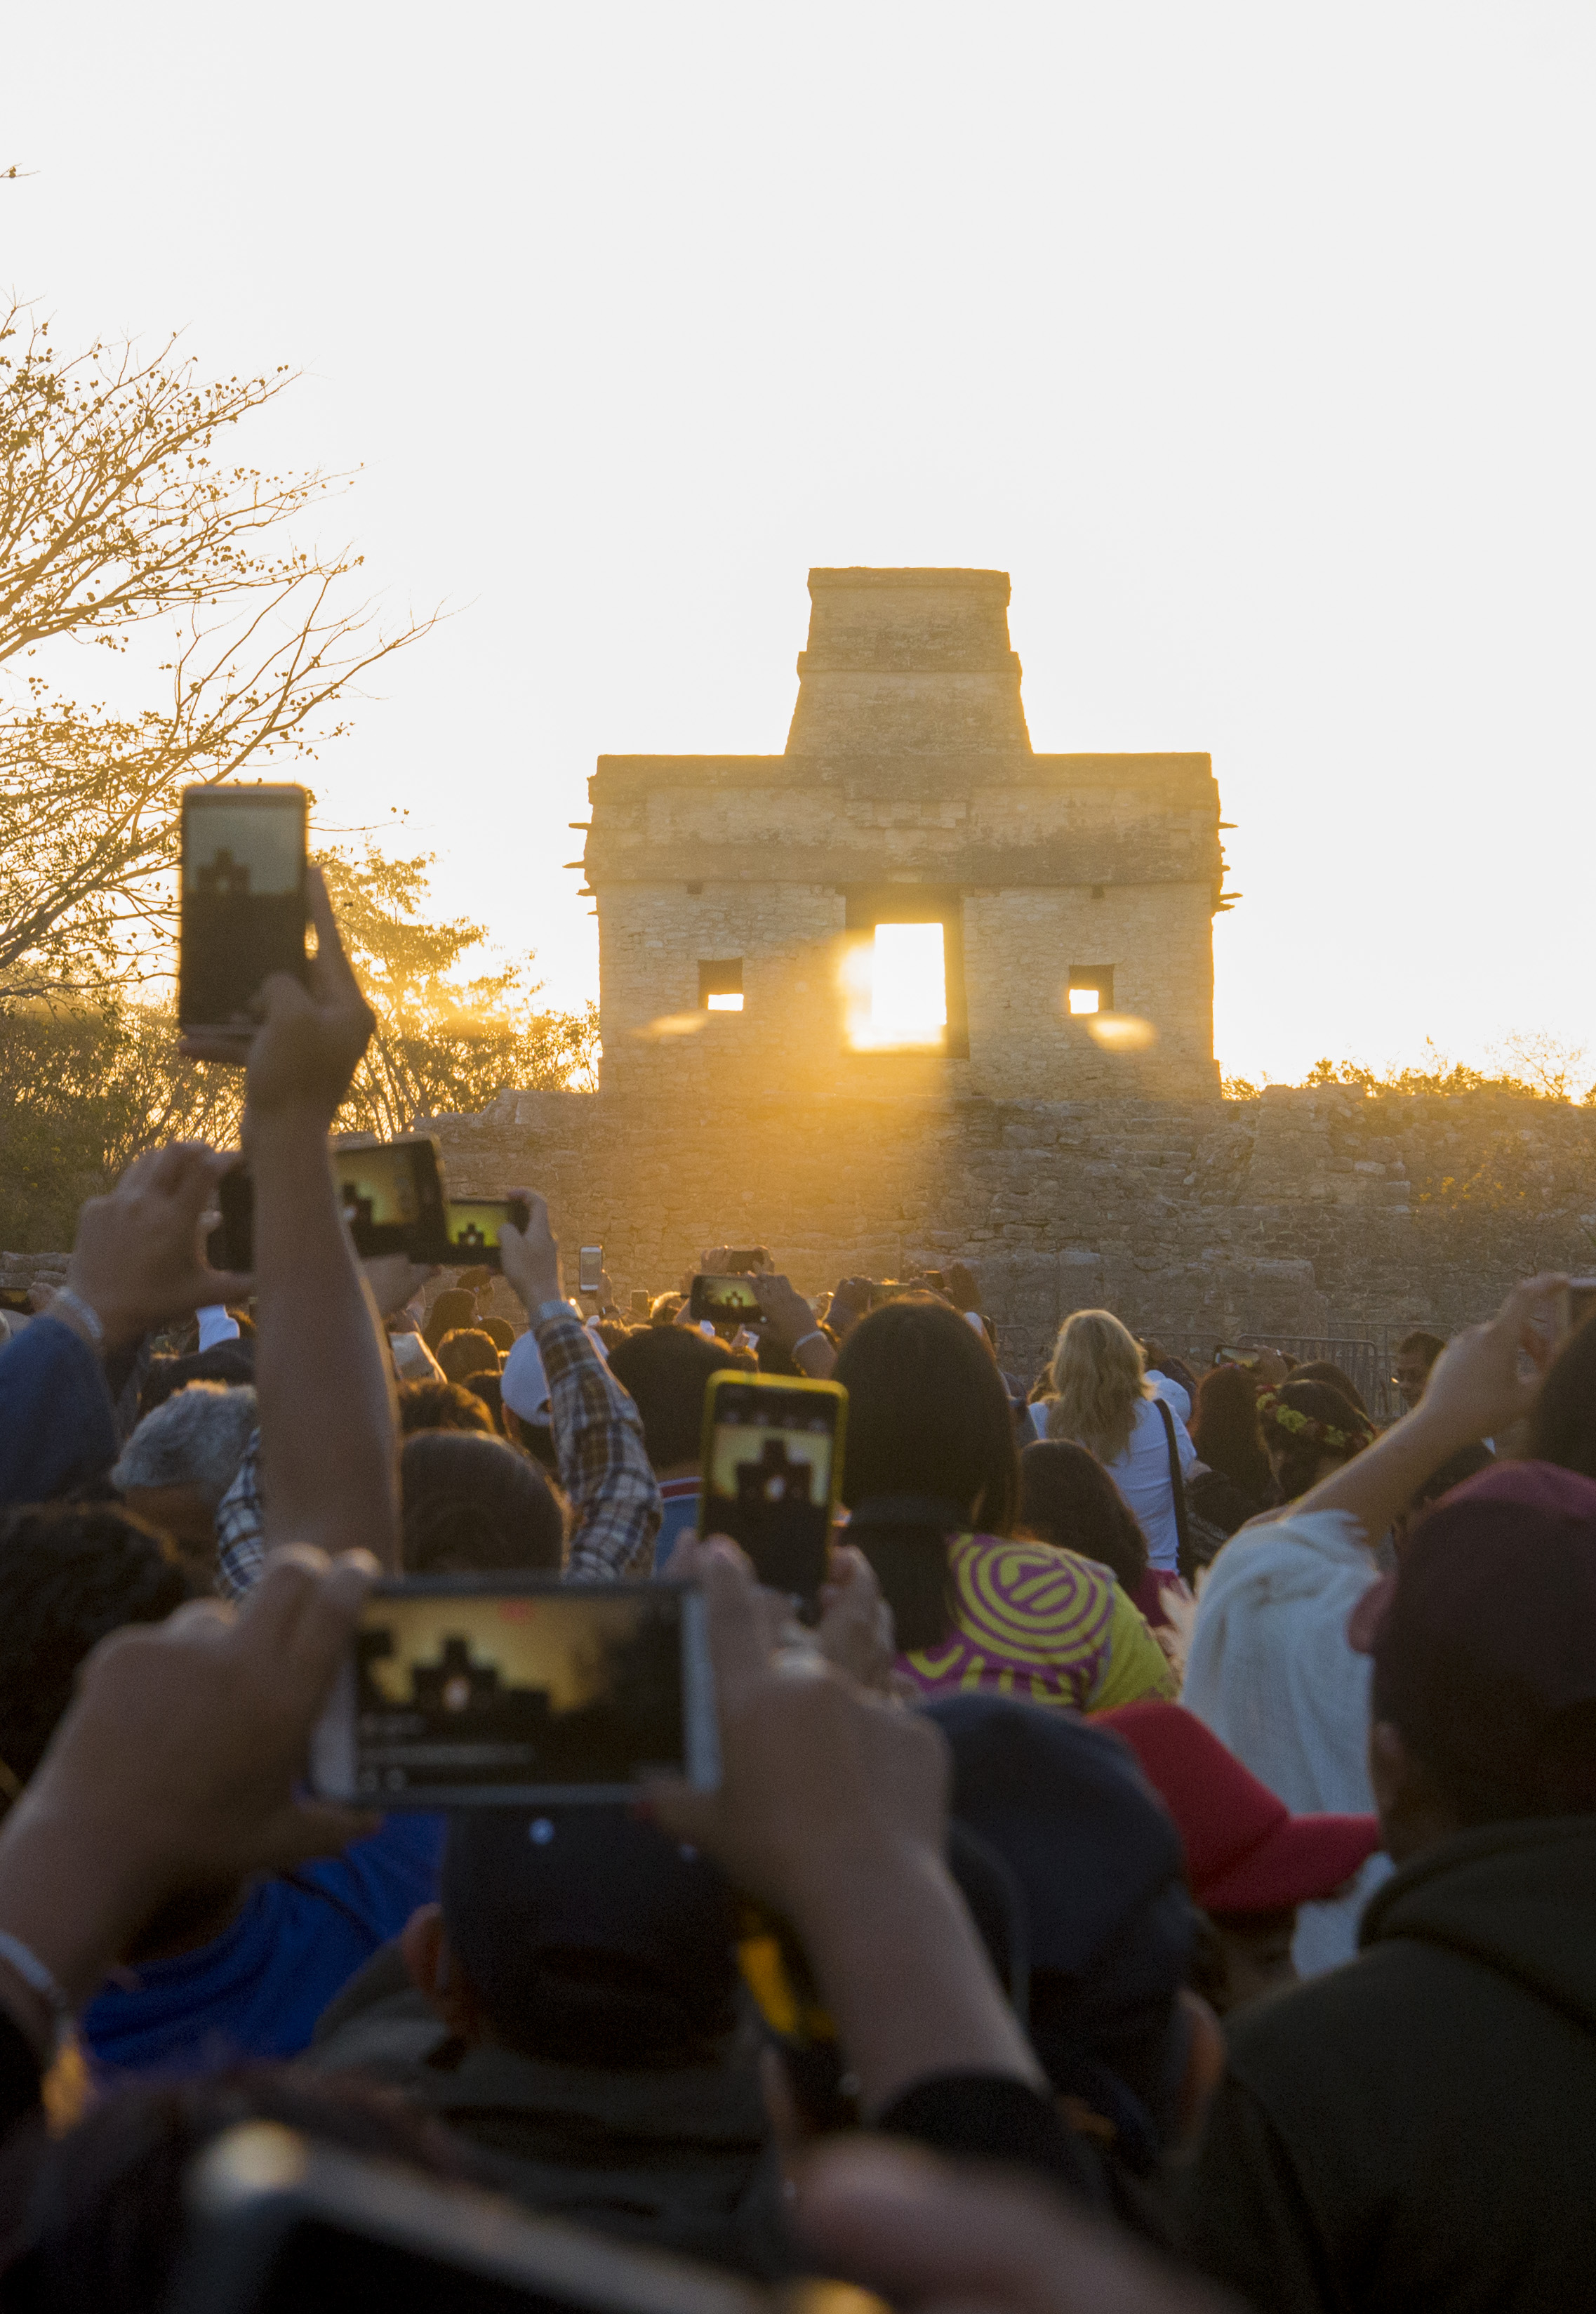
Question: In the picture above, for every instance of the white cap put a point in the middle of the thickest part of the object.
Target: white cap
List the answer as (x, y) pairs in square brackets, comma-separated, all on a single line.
[(522, 1384)]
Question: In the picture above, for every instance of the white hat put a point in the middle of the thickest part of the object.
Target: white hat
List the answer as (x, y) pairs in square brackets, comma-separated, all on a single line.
[(523, 1385)]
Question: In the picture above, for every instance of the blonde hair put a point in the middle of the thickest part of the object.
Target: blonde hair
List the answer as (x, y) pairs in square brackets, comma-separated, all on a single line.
[(1098, 1377)]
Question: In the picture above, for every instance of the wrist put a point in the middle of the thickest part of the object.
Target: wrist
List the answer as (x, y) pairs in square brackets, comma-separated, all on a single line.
[(74, 1891), (90, 1316)]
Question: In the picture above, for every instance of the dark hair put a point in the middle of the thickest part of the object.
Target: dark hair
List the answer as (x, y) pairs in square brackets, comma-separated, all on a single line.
[(1429, 1346), (1301, 1455), (1563, 1420), (229, 1362), (454, 1307), (666, 1371), (473, 1506), (1225, 1430), (488, 1390), (928, 1415), (69, 1573), (1325, 1370), (1068, 1498), (94, 2218), (440, 1406), (499, 1332), (664, 1308), (466, 1350)]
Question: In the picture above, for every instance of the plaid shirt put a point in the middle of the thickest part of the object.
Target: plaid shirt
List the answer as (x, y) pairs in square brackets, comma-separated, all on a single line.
[(603, 1463), (603, 1468)]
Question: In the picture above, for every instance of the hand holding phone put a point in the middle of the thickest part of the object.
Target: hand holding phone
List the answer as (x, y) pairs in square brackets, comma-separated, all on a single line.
[(772, 1463), (725, 1300), (242, 913)]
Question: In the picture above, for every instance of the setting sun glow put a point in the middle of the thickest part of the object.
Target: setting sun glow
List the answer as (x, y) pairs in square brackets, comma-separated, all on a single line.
[(898, 988), (727, 1002)]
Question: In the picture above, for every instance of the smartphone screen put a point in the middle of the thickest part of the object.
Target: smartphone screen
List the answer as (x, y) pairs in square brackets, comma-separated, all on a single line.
[(772, 1461), (478, 1691), (591, 1269), (724, 1300), (471, 1228), (243, 911), (392, 1197)]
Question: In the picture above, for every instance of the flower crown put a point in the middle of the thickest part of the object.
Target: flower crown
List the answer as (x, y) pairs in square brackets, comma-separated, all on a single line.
[(1318, 1433)]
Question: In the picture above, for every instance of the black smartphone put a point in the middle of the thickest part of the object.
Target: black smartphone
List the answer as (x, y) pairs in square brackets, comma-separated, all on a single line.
[(492, 1690), (277, 2223), (472, 1227), (242, 913), (772, 1462), (724, 1300), (15, 1297), (392, 1196), (590, 1271), (642, 1304), (742, 1261)]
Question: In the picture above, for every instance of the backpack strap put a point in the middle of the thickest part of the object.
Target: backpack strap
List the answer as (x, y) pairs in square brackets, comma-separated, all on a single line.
[(1183, 1541)]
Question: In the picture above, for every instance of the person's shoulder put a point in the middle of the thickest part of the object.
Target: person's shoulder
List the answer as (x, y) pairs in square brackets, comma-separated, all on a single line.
[(1048, 1587)]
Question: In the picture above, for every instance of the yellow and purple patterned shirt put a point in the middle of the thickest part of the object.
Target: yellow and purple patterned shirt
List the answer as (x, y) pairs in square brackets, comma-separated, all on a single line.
[(1042, 1624)]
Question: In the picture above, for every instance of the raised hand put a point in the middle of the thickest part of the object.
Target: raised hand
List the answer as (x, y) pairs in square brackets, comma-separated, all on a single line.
[(531, 1257), (138, 1258)]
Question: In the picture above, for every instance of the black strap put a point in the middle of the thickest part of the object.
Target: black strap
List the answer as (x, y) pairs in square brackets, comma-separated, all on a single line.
[(1182, 1551)]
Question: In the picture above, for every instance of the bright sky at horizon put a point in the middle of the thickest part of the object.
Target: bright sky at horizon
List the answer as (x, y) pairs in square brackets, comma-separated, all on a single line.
[(1255, 343)]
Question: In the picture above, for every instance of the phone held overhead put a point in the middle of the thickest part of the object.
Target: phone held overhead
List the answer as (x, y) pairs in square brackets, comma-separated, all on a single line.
[(772, 1462), (463, 1690), (730, 1299), (243, 907), (590, 1270), (394, 1197)]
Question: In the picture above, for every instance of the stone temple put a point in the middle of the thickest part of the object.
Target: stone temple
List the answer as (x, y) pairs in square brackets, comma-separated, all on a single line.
[(911, 992), (1047, 918)]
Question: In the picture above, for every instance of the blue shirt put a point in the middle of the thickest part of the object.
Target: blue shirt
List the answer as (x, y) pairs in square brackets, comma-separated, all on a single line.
[(680, 1497), (257, 1990)]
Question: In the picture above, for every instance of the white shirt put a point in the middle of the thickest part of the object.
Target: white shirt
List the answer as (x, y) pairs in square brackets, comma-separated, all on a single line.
[(1166, 1387), (1141, 1474)]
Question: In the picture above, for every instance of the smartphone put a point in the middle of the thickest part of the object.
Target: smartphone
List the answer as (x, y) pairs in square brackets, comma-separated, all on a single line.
[(391, 1195), (724, 1300), (1226, 1355), (642, 1305), (772, 1462), (742, 1261), (488, 1690), (242, 913), (16, 1298), (276, 2223), (936, 1279), (590, 1269), (472, 1227)]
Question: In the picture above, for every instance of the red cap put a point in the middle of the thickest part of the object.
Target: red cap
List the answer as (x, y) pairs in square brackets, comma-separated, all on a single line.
[(1245, 1850)]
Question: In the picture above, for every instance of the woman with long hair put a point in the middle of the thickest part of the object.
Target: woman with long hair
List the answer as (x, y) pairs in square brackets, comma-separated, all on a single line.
[(1309, 1430), (1237, 1482), (1103, 1400), (932, 1480)]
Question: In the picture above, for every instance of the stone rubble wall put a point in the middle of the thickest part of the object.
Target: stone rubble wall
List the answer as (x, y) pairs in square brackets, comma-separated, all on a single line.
[(1299, 1212)]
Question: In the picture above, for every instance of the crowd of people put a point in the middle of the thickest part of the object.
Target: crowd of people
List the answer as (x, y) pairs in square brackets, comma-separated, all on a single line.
[(1156, 1875)]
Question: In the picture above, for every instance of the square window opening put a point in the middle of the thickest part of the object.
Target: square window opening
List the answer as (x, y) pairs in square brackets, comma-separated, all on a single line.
[(1090, 990), (720, 983)]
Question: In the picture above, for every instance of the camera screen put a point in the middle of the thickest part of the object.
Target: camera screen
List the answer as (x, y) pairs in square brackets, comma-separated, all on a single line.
[(508, 1691), (242, 902), (474, 1223), (387, 1194), (768, 1478), (725, 1300)]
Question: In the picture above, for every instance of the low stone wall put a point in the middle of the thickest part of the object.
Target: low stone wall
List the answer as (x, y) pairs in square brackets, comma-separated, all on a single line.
[(1299, 1213)]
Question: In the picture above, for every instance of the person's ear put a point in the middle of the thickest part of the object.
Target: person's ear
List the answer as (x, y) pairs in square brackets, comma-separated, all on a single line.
[(435, 1972)]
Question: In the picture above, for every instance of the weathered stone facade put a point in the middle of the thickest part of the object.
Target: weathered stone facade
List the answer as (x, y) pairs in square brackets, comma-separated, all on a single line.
[(908, 790), (1069, 1175)]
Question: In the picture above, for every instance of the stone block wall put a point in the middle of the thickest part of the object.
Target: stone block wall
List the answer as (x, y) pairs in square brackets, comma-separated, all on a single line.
[(1301, 1213)]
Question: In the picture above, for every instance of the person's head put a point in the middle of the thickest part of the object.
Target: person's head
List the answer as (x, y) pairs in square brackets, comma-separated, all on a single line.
[(180, 1461), (1225, 1429), (580, 1934), (232, 1363), (1327, 1370), (1249, 1862), (466, 1350), (664, 1309), (666, 1371), (96, 2216), (1309, 1431), (499, 1332), (440, 1406), (454, 1307), (1068, 1498), (1098, 1383), (1411, 1361), (1484, 1698), (473, 1506), (69, 1573), (929, 1453), (1110, 1922)]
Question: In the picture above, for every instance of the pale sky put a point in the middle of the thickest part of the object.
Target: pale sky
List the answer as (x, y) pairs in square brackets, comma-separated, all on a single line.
[(1254, 340)]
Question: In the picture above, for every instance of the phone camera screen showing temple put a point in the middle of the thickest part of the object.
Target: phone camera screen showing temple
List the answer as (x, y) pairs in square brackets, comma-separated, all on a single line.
[(517, 1692), (770, 1479), (243, 900)]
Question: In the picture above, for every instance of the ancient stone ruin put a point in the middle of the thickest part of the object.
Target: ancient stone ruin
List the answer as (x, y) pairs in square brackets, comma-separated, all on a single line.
[(909, 990)]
